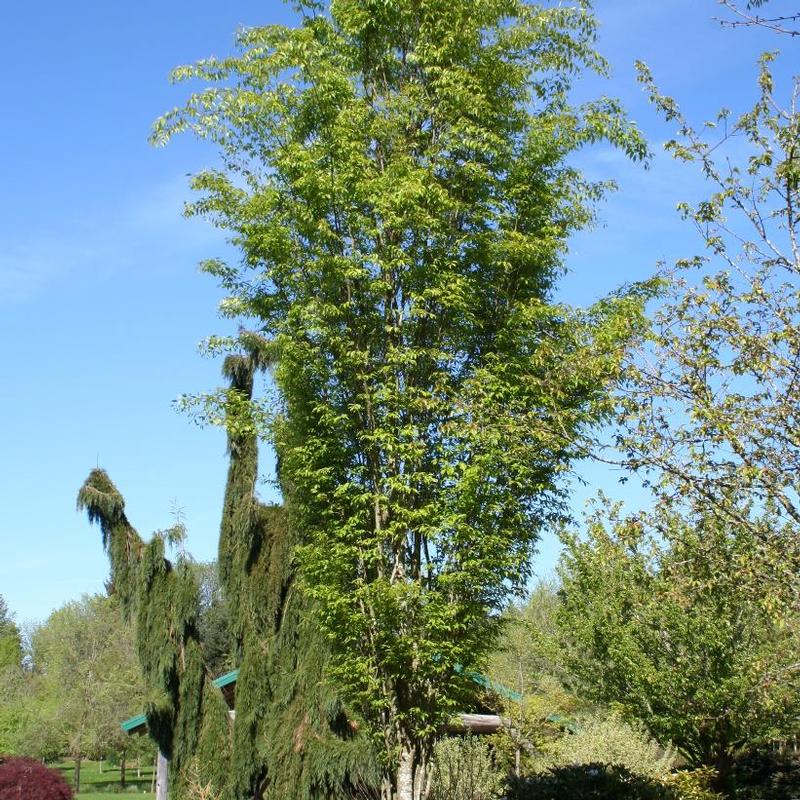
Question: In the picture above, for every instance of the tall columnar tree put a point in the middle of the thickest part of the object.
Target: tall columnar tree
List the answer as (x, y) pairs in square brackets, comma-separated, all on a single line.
[(397, 177), (292, 736)]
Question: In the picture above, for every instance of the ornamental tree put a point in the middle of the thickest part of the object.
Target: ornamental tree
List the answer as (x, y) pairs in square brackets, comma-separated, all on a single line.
[(292, 738), (710, 415), (710, 419), (397, 178), (25, 777), (160, 600), (670, 619)]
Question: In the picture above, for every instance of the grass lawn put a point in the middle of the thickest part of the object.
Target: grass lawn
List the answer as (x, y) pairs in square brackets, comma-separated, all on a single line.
[(96, 785), (113, 796)]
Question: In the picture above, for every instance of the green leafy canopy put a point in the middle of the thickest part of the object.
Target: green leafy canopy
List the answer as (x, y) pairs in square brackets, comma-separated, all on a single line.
[(397, 178), (671, 619)]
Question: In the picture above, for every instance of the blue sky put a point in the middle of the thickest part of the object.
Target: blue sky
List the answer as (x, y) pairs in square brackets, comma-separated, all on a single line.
[(101, 303)]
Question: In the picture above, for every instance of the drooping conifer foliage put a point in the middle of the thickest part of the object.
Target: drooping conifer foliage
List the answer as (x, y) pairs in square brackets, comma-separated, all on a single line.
[(161, 598), (397, 175), (292, 737)]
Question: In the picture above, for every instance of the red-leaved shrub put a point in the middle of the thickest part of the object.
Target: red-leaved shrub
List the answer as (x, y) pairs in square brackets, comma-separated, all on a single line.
[(27, 779)]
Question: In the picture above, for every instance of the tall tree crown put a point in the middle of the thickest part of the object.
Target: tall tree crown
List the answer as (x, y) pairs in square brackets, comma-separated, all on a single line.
[(397, 177)]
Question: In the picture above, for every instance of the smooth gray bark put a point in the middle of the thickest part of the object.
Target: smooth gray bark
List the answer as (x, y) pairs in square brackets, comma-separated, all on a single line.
[(405, 775), (162, 771)]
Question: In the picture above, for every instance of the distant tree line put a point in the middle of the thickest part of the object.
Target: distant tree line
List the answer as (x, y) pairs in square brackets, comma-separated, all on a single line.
[(66, 684)]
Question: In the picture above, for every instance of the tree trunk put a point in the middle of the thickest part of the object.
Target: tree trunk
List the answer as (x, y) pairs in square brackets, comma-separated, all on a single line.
[(77, 776), (162, 771), (404, 784), (122, 770), (723, 783), (411, 779)]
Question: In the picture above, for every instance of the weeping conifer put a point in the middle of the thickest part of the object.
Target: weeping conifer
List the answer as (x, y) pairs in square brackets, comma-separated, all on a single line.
[(162, 599), (292, 737)]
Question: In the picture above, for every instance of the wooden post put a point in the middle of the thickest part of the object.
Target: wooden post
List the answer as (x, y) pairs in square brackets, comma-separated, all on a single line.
[(162, 771)]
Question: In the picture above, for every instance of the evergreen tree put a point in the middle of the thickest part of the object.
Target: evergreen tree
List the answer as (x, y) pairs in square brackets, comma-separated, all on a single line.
[(292, 737), (162, 599)]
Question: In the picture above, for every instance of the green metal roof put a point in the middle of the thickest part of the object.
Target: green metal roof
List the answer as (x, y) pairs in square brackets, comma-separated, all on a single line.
[(232, 676), (497, 688), (226, 679), (140, 721), (134, 723)]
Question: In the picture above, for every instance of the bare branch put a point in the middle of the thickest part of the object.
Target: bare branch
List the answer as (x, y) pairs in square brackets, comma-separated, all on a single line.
[(745, 18)]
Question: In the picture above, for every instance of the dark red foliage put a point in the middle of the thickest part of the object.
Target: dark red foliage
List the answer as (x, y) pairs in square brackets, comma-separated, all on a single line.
[(27, 779)]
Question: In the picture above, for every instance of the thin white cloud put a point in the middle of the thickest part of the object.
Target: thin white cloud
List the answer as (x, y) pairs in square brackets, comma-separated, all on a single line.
[(147, 231)]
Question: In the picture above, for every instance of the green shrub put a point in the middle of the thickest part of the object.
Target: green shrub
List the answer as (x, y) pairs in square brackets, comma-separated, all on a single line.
[(693, 784), (463, 770), (589, 782), (609, 740)]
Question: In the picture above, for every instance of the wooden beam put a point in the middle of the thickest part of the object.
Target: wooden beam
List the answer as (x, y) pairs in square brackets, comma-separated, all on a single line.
[(479, 724)]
